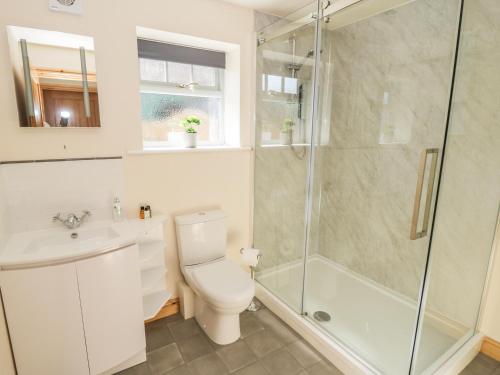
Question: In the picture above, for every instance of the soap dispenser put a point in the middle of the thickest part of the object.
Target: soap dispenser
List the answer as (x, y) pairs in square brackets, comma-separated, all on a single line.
[(117, 210)]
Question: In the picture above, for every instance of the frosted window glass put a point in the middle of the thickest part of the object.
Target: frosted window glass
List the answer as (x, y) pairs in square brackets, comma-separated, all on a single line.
[(274, 83), (204, 75), (153, 70), (163, 113), (179, 73), (290, 85)]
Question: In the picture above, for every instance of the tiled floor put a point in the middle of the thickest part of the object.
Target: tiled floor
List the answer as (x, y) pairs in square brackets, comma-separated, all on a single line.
[(482, 365), (267, 347)]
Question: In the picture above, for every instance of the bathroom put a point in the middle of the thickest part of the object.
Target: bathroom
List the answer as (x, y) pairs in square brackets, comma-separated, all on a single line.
[(354, 143)]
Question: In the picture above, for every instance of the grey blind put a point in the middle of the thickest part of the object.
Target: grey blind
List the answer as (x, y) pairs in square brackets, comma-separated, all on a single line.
[(150, 49)]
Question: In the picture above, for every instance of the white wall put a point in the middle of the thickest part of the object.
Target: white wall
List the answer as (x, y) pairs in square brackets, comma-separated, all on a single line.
[(6, 366), (171, 183)]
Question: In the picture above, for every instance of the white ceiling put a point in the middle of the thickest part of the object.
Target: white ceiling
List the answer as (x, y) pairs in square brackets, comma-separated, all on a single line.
[(276, 7)]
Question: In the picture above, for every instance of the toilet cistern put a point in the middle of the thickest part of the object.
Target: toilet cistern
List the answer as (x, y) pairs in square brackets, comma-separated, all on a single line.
[(72, 221)]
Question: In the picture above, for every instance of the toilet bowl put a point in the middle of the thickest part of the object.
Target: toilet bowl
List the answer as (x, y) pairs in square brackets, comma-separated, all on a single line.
[(222, 289)]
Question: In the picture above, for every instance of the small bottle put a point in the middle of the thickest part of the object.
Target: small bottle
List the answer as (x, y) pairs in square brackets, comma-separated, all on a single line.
[(147, 212), (141, 213), (117, 210)]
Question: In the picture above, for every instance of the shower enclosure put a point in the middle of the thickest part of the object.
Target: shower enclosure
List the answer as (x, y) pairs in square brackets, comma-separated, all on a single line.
[(377, 183)]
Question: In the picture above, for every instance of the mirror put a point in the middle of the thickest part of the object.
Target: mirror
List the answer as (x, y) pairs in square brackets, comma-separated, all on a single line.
[(54, 77)]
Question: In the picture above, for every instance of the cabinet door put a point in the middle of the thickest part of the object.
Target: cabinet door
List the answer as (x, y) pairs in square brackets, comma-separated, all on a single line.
[(110, 292), (45, 321)]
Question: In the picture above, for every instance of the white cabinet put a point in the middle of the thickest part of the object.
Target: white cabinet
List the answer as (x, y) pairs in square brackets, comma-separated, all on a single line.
[(45, 322), (77, 318), (111, 299)]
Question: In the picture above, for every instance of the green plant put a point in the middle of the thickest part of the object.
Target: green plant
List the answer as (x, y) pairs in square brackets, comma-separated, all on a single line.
[(190, 123), (287, 126)]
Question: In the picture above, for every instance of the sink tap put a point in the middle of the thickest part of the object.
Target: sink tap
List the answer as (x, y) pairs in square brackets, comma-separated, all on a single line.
[(72, 221)]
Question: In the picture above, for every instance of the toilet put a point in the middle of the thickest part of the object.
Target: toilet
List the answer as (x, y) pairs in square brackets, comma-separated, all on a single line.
[(222, 289)]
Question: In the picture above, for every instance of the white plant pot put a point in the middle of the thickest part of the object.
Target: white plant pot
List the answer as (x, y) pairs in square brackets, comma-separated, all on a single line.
[(286, 138), (190, 140)]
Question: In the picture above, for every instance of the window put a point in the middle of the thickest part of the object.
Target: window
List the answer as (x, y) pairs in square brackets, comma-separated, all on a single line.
[(176, 82)]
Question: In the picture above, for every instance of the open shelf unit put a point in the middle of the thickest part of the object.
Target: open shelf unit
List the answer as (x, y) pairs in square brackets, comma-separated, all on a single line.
[(151, 242)]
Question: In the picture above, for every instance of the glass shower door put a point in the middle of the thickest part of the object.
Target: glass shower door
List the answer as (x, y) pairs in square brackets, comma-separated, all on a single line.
[(285, 63), (384, 89)]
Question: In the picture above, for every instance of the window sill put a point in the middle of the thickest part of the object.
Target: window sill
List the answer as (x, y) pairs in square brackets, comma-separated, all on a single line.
[(182, 150)]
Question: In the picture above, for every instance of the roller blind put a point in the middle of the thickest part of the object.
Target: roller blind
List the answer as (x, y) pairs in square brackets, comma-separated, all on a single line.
[(150, 49)]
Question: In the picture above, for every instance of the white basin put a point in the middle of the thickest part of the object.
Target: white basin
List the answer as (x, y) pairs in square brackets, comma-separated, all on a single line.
[(59, 244), (72, 240)]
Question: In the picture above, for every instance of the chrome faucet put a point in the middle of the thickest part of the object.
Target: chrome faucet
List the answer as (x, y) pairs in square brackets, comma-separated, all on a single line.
[(72, 221)]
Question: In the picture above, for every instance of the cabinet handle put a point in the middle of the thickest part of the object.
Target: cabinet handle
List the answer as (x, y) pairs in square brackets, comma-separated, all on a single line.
[(414, 233)]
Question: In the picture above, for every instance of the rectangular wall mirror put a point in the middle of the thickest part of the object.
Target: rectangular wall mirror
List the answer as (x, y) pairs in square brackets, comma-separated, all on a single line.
[(55, 78)]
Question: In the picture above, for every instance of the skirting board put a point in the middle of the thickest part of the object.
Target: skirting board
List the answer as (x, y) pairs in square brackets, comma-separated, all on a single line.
[(491, 348), (170, 308)]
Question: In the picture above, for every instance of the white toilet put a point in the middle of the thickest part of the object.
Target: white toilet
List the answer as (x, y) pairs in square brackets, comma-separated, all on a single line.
[(222, 288)]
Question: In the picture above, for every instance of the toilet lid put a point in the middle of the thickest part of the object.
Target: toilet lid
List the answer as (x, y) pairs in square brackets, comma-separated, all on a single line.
[(223, 282)]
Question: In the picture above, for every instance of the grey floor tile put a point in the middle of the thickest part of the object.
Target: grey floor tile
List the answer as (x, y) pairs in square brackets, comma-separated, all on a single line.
[(323, 368), (184, 329), (194, 347), (284, 333), (303, 353), (210, 364), (266, 317), (173, 318), (481, 365), (249, 324), (157, 335), (141, 369), (254, 369), (181, 370), (164, 359), (263, 342), (236, 355), (281, 362)]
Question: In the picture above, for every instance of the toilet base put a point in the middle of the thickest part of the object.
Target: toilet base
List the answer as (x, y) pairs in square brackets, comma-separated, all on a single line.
[(221, 328)]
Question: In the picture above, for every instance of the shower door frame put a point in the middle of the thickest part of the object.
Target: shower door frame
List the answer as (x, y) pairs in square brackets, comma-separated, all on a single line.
[(323, 9)]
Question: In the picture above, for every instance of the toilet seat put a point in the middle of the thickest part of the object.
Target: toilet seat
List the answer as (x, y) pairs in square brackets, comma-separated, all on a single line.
[(222, 283)]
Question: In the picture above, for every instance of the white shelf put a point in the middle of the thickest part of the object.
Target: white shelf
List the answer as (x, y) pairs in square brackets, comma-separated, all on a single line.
[(152, 303), (150, 252), (150, 279)]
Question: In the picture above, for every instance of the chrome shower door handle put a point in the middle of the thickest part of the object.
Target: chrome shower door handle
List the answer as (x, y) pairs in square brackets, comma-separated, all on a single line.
[(414, 233)]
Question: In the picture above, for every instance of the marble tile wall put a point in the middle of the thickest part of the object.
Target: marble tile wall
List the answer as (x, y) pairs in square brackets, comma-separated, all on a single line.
[(281, 171), (34, 192), (470, 191), (390, 92)]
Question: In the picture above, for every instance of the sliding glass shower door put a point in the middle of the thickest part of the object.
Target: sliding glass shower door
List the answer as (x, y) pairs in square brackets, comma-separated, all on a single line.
[(285, 64), (384, 92)]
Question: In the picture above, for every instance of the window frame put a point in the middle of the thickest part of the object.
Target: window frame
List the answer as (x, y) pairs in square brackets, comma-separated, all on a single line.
[(199, 91)]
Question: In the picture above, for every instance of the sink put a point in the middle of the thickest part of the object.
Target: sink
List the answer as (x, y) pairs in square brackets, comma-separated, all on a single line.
[(75, 240), (56, 245)]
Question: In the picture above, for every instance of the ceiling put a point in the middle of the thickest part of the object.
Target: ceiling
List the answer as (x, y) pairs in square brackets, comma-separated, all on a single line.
[(275, 7)]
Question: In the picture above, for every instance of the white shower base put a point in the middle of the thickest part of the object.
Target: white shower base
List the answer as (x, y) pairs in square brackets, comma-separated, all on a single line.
[(372, 321)]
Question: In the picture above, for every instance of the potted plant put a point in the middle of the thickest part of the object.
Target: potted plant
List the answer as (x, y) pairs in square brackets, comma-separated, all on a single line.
[(190, 124), (286, 132)]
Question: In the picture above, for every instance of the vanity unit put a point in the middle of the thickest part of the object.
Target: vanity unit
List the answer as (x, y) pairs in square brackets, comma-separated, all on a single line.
[(75, 299)]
